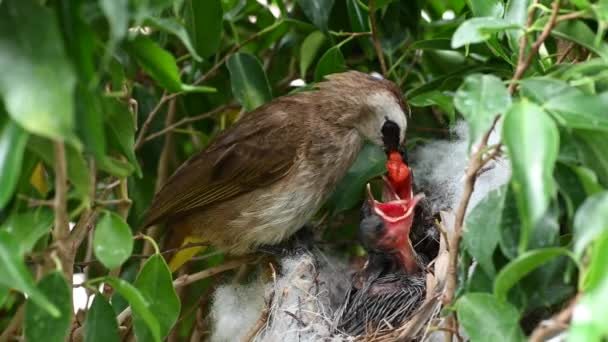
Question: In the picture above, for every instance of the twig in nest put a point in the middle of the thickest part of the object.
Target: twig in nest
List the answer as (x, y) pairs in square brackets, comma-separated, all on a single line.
[(265, 312)]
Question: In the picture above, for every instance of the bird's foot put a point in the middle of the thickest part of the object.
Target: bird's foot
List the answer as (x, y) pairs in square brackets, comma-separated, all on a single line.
[(301, 242)]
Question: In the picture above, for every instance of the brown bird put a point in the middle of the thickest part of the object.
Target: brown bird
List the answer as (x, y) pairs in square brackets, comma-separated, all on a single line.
[(263, 178)]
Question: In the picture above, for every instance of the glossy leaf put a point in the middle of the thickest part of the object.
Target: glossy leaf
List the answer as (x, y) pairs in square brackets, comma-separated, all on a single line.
[(38, 324), (477, 30), (28, 227), (37, 81), (590, 147), (486, 8), (317, 11), (309, 49), (369, 164), (331, 62), (155, 283), (482, 229), (590, 221), (112, 241), (139, 304), (578, 110), (435, 98), (578, 32), (500, 319), (596, 268), (101, 324), (544, 89), (514, 271), (174, 27), (589, 315), (532, 140), (17, 276), (13, 140), (480, 99), (249, 83), (204, 22), (516, 12), (358, 17), (156, 62)]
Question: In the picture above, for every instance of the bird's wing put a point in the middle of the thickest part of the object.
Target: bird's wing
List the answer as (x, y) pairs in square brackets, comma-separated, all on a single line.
[(250, 156)]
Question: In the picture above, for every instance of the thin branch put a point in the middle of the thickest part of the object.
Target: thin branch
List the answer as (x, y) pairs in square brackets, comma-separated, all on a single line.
[(188, 120), (61, 231), (14, 325), (376, 40), (476, 162), (558, 323), (144, 128), (232, 51)]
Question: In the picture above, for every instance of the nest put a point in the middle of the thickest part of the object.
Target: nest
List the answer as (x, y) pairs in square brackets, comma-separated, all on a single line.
[(301, 301)]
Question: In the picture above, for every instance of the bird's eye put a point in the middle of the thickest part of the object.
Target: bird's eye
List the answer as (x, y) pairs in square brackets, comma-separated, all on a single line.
[(390, 135)]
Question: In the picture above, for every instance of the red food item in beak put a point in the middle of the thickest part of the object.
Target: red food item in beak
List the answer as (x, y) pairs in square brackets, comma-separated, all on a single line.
[(399, 177)]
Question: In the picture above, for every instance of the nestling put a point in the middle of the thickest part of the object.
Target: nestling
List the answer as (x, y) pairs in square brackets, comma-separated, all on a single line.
[(263, 178)]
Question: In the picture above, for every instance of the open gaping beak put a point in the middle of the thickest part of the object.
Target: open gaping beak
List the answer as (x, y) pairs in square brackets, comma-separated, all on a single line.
[(397, 213)]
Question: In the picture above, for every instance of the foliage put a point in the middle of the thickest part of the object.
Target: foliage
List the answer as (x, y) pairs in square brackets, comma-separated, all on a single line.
[(101, 100)]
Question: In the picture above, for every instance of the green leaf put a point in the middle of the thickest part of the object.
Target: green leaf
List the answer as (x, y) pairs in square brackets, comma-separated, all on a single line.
[(482, 229), (331, 62), (117, 14), (480, 99), (578, 32), (500, 319), (317, 11), (578, 110), (28, 227), (309, 49), (89, 120), (204, 23), (544, 89), (590, 221), (369, 164), (514, 271), (121, 127), (16, 275), (156, 62), (532, 140), (174, 27), (516, 13), (101, 324), (37, 81), (78, 173), (249, 83), (435, 98), (477, 30), (112, 241), (155, 283), (138, 303), (39, 325), (13, 140), (589, 315), (486, 8), (590, 146), (596, 267)]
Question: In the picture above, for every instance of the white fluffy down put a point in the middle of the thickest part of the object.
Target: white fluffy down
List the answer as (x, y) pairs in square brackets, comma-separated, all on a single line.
[(439, 169)]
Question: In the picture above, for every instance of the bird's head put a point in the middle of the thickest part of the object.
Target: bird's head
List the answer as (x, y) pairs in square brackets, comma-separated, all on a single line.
[(386, 225), (379, 113)]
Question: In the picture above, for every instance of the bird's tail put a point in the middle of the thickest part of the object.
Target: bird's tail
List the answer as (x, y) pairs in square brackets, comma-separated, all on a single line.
[(186, 253)]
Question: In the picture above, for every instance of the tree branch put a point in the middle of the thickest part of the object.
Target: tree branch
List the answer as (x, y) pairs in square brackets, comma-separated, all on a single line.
[(61, 231), (476, 162), (375, 39)]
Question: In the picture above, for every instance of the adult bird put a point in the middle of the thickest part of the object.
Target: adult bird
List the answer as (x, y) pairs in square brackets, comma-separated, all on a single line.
[(391, 286), (263, 178)]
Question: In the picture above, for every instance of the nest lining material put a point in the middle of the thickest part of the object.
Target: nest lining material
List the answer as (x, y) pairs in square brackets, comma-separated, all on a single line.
[(301, 304)]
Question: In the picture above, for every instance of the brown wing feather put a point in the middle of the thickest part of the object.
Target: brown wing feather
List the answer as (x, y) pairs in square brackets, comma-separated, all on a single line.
[(255, 153)]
